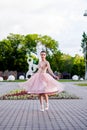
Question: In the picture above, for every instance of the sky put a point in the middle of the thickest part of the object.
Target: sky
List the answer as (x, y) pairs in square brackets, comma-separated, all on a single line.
[(63, 20)]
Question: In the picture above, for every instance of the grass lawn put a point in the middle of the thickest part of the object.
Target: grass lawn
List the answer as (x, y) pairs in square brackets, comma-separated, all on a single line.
[(17, 80), (60, 80), (82, 84), (68, 80)]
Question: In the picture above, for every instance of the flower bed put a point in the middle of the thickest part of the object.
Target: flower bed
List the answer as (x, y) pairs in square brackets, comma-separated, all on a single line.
[(22, 95)]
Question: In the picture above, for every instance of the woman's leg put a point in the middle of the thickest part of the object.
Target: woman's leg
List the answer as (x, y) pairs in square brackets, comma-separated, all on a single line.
[(46, 98), (47, 103), (41, 101)]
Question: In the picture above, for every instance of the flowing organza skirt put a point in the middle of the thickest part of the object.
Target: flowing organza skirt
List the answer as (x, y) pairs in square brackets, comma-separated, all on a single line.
[(42, 83)]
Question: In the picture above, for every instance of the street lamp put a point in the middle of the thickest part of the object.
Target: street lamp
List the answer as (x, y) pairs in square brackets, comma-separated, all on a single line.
[(85, 14), (85, 52), (85, 55)]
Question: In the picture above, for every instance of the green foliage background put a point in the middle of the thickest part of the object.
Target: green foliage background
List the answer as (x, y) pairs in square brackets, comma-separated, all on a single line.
[(14, 48)]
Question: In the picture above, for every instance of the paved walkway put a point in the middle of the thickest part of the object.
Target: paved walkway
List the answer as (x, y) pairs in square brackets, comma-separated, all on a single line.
[(78, 90), (62, 114)]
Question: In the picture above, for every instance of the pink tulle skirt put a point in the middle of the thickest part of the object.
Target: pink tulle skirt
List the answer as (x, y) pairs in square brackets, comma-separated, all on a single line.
[(42, 83)]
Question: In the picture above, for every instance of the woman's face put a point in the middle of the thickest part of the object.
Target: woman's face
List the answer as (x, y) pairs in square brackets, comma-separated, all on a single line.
[(43, 55)]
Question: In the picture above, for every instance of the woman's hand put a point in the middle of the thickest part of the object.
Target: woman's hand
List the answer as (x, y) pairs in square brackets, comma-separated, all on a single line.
[(56, 77)]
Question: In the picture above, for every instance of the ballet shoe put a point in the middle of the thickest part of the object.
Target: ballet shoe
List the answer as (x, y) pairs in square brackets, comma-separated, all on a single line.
[(42, 108), (47, 106)]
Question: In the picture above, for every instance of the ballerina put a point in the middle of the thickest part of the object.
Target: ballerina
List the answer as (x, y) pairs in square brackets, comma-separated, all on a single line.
[(43, 83)]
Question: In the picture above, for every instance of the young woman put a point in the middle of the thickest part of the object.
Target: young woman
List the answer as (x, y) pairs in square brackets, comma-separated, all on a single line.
[(43, 83)]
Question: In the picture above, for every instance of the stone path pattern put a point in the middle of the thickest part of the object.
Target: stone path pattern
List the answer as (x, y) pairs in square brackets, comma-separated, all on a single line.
[(62, 114)]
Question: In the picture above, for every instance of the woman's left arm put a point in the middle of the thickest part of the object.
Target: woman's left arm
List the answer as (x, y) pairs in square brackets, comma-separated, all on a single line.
[(50, 71)]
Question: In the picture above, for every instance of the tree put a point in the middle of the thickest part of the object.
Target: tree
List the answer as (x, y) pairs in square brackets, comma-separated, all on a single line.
[(14, 49), (84, 46), (78, 66), (55, 60), (13, 53), (31, 42), (84, 42), (66, 63), (49, 43)]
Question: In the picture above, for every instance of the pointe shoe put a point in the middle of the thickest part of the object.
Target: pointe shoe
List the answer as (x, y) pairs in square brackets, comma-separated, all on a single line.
[(47, 106), (42, 108)]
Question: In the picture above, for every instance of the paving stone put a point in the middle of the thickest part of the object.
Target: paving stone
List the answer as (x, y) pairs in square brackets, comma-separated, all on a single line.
[(62, 114)]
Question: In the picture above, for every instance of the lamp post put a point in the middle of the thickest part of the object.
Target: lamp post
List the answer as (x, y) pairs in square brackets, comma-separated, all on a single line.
[(85, 55), (85, 14), (85, 52)]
